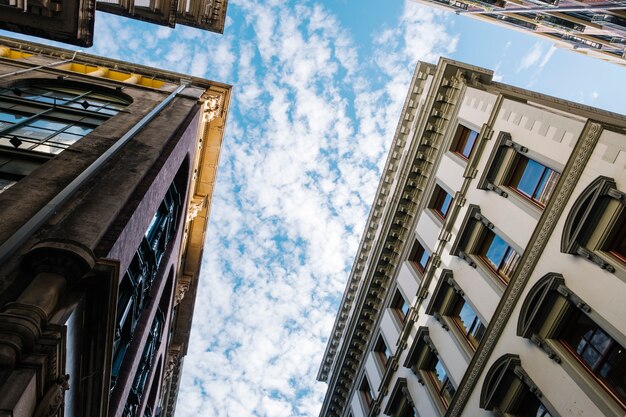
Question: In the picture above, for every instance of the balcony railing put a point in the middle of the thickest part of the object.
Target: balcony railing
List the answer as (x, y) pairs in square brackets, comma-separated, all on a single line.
[(134, 290)]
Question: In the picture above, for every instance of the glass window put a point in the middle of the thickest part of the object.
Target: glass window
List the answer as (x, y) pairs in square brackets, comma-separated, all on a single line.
[(533, 180), (597, 351), (366, 393), (464, 141), (440, 379), (382, 351), (419, 256), (468, 322), (400, 306), (441, 202), (498, 255), (617, 242)]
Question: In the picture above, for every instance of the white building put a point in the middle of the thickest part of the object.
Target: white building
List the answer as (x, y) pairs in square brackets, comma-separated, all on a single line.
[(490, 279)]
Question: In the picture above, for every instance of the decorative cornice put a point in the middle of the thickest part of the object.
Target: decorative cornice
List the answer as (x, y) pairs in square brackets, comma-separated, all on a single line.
[(536, 245), (394, 210)]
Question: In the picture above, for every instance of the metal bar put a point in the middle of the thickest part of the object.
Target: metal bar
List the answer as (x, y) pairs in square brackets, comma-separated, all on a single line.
[(545, 9), (28, 228)]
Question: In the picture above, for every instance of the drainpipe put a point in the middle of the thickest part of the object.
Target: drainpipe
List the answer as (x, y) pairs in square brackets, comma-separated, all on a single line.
[(53, 64), (27, 229)]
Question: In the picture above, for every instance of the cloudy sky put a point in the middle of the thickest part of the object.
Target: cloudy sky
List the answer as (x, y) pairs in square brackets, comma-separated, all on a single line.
[(318, 88)]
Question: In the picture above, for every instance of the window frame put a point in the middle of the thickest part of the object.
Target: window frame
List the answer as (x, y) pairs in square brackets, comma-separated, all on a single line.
[(455, 147), (543, 319), (446, 297), (421, 360), (366, 395), (590, 225), (437, 200), (507, 386), (398, 311), (470, 245), (416, 255), (60, 122), (501, 168), (400, 400)]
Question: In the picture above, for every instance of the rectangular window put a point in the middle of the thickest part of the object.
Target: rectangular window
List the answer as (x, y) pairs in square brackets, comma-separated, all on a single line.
[(498, 255), (464, 141), (382, 352), (617, 242), (366, 393), (533, 180), (440, 202), (598, 352), (466, 319), (419, 256), (399, 306), (439, 377)]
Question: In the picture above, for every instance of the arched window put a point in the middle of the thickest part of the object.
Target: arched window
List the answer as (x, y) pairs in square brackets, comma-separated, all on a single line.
[(595, 228), (41, 118), (572, 334), (508, 390)]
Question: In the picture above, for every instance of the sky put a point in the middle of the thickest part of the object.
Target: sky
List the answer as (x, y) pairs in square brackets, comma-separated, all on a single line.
[(318, 89)]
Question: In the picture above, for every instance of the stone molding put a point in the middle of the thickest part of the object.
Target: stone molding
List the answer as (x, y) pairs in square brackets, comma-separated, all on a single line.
[(388, 229)]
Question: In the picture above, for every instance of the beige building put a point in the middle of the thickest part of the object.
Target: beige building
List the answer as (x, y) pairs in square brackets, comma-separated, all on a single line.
[(491, 277), (592, 27), (107, 170)]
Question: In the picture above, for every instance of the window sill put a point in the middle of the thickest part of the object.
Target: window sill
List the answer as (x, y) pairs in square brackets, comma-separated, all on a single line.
[(493, 279), (458, 159)]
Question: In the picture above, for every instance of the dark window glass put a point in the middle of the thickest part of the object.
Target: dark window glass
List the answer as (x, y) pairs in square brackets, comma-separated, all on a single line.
[(617, 242), (366, 392), (533, 180), (442, 382), (464, 141), (599, 352), (441, 202), (498, 255), (382, 351), (532, 407), (419, 257), (400, 306), (468, 322)]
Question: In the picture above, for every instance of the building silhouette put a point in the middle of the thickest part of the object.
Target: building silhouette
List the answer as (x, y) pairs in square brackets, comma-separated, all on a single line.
[(106, 175), (72, 21), (594, 28), (490, 277)]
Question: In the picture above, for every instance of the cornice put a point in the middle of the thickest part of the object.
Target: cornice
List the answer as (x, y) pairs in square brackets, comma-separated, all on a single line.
[(400, 191)]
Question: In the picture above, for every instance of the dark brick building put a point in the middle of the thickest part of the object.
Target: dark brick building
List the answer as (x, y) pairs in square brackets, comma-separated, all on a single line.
[(106, 176)]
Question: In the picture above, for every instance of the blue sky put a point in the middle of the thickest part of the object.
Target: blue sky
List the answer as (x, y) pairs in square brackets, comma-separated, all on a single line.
[(318, 88)]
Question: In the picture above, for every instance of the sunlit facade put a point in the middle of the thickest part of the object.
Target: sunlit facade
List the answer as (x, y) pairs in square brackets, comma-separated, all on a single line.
[(592, 27), (491, 276), (72, 21), (106, 175)]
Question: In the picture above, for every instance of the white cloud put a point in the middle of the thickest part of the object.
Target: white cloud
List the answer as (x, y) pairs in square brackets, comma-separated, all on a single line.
[(536, 57), (310, 123)]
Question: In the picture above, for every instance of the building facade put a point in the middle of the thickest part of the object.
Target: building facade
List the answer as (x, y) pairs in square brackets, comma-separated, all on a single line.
[(106, 175), (595, 28), (490, 279), (72, 21)]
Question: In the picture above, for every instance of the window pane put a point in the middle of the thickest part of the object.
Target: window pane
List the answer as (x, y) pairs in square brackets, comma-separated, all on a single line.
[(440, 372), (496, 251), (467, 316), (46, 123), (66, 138), (469, 143), (32, 132), (79, 130), (10, 117), (531, 176)]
